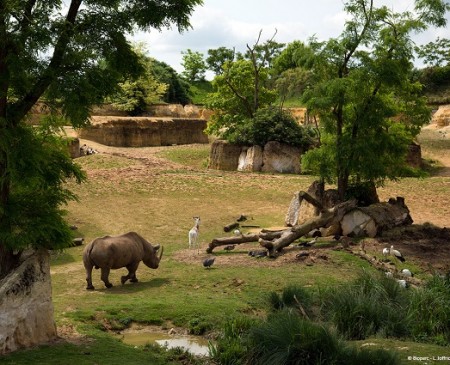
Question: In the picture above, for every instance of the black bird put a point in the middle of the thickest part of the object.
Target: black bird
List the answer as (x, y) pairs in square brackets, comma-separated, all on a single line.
[(257, 253), (337, 237), (242, 218), (229, 247), (208, 262), (261, 254)]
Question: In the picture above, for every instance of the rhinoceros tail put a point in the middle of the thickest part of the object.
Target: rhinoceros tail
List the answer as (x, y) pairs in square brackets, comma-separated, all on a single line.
[(89, 256)]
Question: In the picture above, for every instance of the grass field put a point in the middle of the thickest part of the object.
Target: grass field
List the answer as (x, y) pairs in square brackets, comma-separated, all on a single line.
[(156, 192)]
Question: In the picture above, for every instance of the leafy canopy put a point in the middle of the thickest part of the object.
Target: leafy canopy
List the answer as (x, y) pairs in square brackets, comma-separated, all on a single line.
[(69, 55), (369, 108)]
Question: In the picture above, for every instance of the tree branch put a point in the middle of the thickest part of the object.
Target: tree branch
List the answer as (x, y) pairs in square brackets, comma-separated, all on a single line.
[(22, 107)]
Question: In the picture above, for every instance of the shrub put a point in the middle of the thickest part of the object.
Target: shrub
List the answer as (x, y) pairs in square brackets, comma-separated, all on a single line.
[(430, 310), (293, 296), (230, 348), (286, 339), (272, 124), (368, 306)]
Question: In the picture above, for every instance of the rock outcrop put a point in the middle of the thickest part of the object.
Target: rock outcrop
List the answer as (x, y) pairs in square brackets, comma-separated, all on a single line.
[(273, 157), (224, 156), (26, 308), (442, 116), (144, 132)]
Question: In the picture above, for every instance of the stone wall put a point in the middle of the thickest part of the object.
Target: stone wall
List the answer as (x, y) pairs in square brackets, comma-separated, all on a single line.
[(143, 132), (26, 308), (442, 116), (273, 157)]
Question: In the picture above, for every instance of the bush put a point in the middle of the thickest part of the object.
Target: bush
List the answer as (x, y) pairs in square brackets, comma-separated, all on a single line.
[(231, 346), (430, 310), (286, 339), (271, 124), (368, 306), (292, 296)]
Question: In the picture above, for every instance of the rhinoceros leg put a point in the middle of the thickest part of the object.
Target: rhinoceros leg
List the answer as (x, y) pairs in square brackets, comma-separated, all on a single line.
[(89, 276), (105, 276), (131, 274)]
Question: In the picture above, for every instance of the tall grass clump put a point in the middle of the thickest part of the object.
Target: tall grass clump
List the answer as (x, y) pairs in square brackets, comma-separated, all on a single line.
[(430, 310), (230, 347), (292, 296), (287, 339), (370, 305)]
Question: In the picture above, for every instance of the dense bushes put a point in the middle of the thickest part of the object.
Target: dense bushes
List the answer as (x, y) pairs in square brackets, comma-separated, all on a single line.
[(271, 124), (300, 328)]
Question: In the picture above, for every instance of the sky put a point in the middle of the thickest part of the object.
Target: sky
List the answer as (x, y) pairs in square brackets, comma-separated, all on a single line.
[(236, 23)]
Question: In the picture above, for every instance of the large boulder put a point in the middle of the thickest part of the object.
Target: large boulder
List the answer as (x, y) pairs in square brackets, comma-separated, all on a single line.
[(251, 159), (224, 156), (26, 308), (279, 157)]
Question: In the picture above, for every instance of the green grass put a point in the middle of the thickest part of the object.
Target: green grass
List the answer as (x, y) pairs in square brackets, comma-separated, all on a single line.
[(160, 204), (199, 91)]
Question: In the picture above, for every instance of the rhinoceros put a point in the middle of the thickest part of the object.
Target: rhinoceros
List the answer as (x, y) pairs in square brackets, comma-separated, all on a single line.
[(126, 250)]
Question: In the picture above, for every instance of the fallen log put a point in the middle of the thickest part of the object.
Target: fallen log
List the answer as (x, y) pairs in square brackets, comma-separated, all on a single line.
[(236, 240), (230, 226), (325, 219)]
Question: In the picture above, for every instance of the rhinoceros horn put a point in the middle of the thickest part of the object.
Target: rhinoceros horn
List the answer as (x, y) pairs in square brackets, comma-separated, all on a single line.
[(161, 253)]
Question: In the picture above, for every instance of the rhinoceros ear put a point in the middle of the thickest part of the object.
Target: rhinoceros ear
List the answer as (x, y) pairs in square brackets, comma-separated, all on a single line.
[(156, 247)]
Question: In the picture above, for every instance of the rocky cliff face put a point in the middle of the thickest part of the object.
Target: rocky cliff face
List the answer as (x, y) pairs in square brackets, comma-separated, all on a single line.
[(144, 132), (26, 308), (273, 157)]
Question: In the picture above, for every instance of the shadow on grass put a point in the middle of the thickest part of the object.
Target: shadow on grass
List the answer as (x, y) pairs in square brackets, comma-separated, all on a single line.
[(135, 287)]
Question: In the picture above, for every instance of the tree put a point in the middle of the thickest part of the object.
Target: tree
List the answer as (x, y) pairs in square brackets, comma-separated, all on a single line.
[(218, 57), (194, 66), (435, 53), (177, 88), (234, 97), (135, 94), (241, 89), (369, 108), (70, 62)]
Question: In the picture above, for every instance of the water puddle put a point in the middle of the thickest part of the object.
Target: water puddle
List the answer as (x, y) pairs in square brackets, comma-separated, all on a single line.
[(193, 344)]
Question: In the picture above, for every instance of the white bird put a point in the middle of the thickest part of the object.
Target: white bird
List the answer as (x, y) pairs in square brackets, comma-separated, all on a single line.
[(407, 273), (385, 251), (396, 254), (402, 283)]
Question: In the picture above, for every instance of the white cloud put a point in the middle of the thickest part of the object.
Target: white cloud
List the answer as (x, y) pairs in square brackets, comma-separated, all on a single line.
[(234, 23)]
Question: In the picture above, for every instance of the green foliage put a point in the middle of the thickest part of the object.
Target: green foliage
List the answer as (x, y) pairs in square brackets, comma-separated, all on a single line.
[(271, 124), (361, 84), (286, 339), (368, 306), (72, 58), (218, 57), (430, 310), (177, 91), (231, 348), (194, 66), (234, 97), (134, 94), (199, 91), (435, 53), (40, 166)]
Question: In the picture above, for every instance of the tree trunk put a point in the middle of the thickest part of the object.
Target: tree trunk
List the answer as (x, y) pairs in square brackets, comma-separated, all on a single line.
[(325, 219), (216, 242)]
